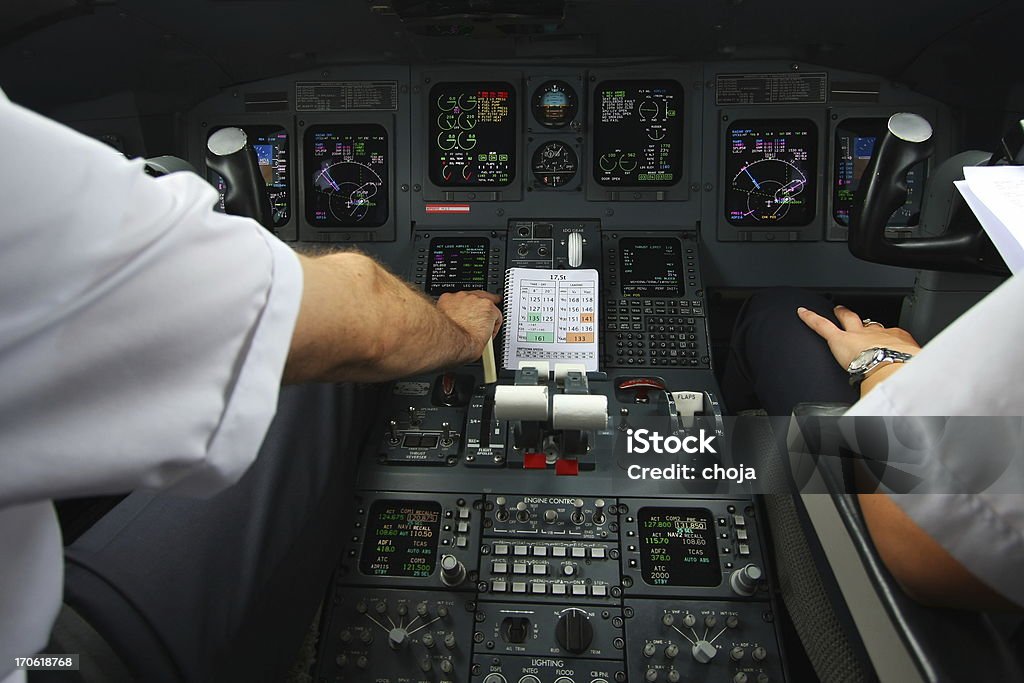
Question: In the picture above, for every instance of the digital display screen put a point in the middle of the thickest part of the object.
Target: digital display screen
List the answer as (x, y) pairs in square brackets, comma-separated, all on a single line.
[(473, 134), (854, 144), (771, 169), (271, 146), (346, 168), (401, 538), (678, 547), (457, 264), (651, 268), (638, 133)]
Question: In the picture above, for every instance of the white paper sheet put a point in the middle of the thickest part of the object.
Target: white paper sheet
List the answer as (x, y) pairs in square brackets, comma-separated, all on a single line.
[(996, 196)]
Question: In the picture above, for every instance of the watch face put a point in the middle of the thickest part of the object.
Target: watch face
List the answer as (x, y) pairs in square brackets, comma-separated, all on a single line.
[(863, 360)]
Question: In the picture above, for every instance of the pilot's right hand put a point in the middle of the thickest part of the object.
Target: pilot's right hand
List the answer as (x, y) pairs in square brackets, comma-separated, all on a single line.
[(478, 315)]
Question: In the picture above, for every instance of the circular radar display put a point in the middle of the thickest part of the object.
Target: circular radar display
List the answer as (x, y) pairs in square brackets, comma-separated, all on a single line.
[(347, 175), (771, 168), (555, 104), (554, 164)]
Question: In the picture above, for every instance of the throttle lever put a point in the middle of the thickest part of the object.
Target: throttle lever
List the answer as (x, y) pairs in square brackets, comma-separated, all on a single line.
[(229, 153)]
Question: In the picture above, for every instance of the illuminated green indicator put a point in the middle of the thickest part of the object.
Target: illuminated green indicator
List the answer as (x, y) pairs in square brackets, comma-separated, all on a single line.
[(533, 317), (544, 337)]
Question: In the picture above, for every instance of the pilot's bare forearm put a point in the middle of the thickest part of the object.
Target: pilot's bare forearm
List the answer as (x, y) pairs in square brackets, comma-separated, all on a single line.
[(357, 322)]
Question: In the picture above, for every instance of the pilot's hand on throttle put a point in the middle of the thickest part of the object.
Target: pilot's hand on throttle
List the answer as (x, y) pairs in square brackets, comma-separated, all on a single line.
[(476, 312), (856, 336)]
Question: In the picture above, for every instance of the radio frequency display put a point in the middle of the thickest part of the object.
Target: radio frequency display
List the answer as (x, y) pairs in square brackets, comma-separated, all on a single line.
[(638, 133), (770, 168), (678, 547), (473, 134), (346, 175), (401, 538)]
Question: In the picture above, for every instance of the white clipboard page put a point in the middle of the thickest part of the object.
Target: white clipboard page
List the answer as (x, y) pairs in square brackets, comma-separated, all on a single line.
[(996, 196)]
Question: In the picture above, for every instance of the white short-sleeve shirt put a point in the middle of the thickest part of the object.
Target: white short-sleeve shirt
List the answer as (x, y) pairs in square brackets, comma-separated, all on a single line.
[(142, 342), (973, 370)]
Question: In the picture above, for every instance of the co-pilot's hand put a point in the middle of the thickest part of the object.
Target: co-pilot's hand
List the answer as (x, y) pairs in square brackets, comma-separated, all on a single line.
[(476, 313), (856, 334)]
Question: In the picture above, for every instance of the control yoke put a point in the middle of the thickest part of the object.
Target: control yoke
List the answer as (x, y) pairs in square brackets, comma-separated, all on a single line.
[(229, 153), (963, 246)]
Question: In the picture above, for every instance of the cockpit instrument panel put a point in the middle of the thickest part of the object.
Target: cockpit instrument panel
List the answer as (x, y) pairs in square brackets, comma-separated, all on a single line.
[(638, 133), (346, 168), (771, 172), (554, 104), (854, 144), (472, 134), (271, 146)]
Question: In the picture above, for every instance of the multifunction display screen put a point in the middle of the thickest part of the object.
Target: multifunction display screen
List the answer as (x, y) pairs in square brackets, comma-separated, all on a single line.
[(457, 264), (401, 538), (346, 169), (271, 146), (638, 133), (651, 267), (678, 547), (770, 172), (472, 134), (854, 144)]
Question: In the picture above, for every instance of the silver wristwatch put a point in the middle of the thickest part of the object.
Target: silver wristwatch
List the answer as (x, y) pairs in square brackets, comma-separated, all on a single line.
[(867, 361)]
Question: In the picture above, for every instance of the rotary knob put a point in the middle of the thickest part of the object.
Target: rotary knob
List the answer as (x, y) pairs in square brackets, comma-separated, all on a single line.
[(551, 516), (745, 579), (703, 651), (397, 638), (453, 572), (574, 632), (671, 651)]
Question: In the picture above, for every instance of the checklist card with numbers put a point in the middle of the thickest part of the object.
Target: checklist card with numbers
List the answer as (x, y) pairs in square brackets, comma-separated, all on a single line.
[(551, 315)]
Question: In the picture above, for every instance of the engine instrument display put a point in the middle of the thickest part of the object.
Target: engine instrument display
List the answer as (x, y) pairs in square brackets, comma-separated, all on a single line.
[(678, 547), (457, 264), (473, 134), (271, 146), (854, 143), (346, 169), (770, 168), (638, 133), (554, 164), (554, 104), (651, 267), (401, 539)]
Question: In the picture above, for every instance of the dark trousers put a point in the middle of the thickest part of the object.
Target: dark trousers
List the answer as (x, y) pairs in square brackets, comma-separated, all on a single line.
[(225, 589), (775, 361)]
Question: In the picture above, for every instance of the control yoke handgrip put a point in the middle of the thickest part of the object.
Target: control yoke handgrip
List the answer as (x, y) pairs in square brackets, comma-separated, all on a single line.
[(229, 153), (962, 247)]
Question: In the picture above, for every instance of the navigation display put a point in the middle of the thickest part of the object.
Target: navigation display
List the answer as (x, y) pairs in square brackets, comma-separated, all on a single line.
[(457, 264), (770, 169), (271, 146), (401, 538), (473, 134), (651, 267), (638, 133), (678, 547), (854, 144), (346, 169)]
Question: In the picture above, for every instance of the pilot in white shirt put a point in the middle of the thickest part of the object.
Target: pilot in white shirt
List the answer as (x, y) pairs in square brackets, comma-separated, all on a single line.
[(143, 340)]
